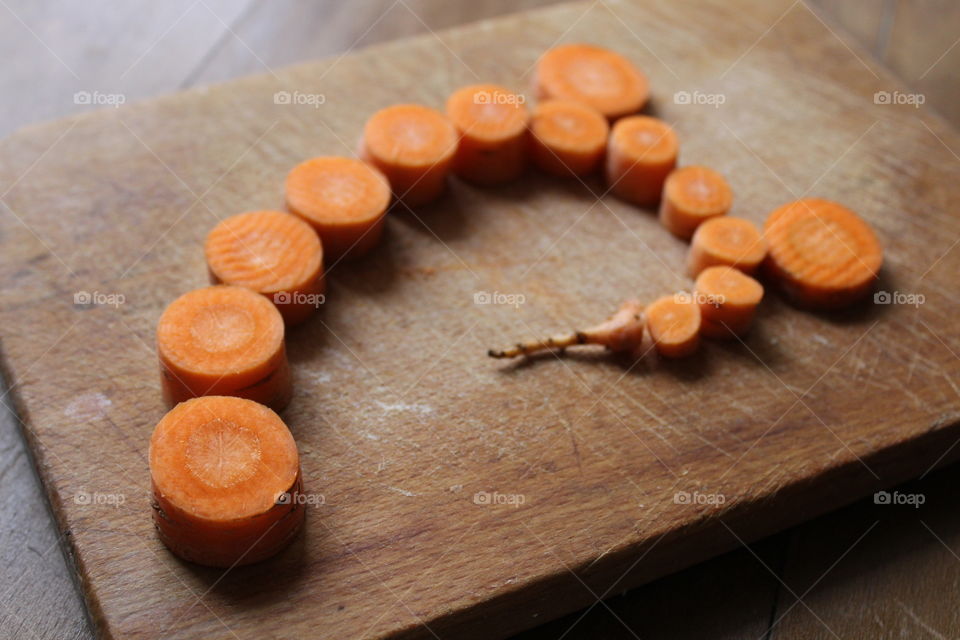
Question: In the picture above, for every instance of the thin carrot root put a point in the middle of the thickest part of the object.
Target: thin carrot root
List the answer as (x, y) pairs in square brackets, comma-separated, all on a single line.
[(343, 199), (726, 241), (226, 481), (413, 146), (492, 124), (674, 325), (622, 332), (223, 341), (821, 253), (728, 299), (567, 138), (597, 77), (691, 195), (640, 155)]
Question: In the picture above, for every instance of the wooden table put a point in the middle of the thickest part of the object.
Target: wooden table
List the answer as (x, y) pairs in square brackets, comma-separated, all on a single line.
[(867, 571)]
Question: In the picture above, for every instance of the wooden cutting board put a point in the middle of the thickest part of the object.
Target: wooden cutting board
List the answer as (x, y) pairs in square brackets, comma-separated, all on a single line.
[(461, 496)]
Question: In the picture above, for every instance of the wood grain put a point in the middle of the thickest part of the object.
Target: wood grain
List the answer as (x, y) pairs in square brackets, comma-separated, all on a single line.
[(486, 429)]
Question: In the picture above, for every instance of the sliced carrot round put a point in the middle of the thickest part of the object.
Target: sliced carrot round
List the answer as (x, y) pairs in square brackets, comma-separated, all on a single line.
[(823, 254), (413, 146), (223, 340), (674, 324), (728, 299), (492, 124), (226, 480), (726, 241), (345, 201), (640, 155), (691, 195), (273, 253), (595, 76), (567, 137)]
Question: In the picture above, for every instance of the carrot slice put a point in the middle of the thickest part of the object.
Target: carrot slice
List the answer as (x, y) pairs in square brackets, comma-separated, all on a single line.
[(690, 196), (823, 254), (492, 124), (226, 481), (728, 299), (413, 146), (640, 155), (595, 76), (273, 253), (567, 138), (674, 324), (345, 201), (725, 240), (223, 340)]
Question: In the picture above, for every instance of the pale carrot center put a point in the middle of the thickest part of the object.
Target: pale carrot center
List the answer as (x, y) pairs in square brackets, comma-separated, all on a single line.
[(595, 77), (221, 453), (219, 328)]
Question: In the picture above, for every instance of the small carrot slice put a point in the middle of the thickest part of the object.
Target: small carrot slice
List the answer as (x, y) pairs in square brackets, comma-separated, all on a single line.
[(275, 254), (823, 254), (345, 201), (640, 155), (691, 195), (725, 240), (226, 481), (492, 124), (223, 340), (567, 138), (413, 146), (728, 299), (595, 76), (674, 324)]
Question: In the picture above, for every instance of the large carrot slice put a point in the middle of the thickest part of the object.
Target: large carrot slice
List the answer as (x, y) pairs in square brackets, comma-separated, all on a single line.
[(823, 254), (492, 124), (674, 325), (226, 481), (726, 241), (640, 155), (728, 299), (273, 253), (691, 195), (595, 76), (226, 341), (413, 146), (344, 199), (567, 138)]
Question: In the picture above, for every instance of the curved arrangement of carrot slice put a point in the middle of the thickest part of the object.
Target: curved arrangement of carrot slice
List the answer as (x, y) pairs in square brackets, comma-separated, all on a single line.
[(275, 254), (345, 201), (691, 195), (413, 146), (823, 254), (728, 299), (226, 481), (226, 341), (492, 124), (640, 155), (726, 241), (595, 76), (674, 324), (567, 138)]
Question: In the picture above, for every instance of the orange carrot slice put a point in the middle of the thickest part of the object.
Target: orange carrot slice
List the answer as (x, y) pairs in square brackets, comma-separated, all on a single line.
[(273, 253), (728, 299), (674, 324), (226, 481), (226, 341), (823, 254), (345, 201), (595, 76), (725, 240), (413, 146), (492, 124), (567, 138), (690, 196), (641, 153)]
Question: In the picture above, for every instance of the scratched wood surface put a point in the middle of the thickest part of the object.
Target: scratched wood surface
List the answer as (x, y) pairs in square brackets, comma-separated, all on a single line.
[(400, 419)]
